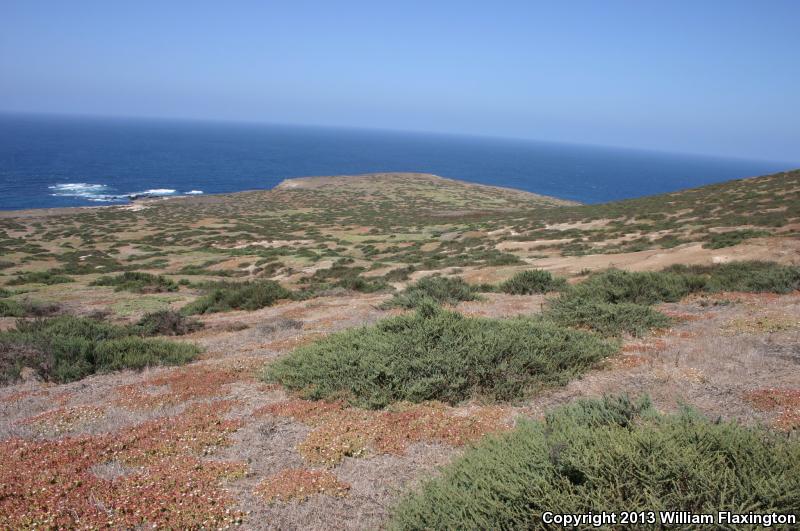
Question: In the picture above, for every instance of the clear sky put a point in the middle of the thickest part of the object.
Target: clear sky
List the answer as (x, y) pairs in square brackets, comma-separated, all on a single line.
[(717, 77)]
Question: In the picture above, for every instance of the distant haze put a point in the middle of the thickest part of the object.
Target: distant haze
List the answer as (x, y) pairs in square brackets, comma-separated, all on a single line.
[(712, 77)]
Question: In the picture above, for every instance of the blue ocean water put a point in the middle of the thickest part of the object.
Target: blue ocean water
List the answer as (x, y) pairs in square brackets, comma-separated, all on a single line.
[(66, 161)]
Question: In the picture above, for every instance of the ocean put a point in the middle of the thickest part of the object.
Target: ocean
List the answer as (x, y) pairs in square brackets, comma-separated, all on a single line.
[(70, 161)]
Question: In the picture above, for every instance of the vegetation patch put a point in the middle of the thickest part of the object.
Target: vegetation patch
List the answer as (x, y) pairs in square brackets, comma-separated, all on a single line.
[(532, 281), (182, 385), (785, 401), (64, 419), (229, 296), (68, 348), (299, 484), (50, 483), (39, 277), (137, 282), (167, 323), (442, 290), (605, 318), (436, 354), (341, 276), (341, 431), (617, 302), (731, 238), (748, 276), (609, 455)]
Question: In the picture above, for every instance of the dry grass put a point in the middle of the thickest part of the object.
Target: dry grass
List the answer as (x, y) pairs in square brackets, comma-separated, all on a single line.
[(298, 484), (341, 431)]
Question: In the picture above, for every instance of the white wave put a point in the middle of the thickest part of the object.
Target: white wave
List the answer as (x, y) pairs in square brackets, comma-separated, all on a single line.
[(158, 191), (193, 192), (78, 189), (99, 193)]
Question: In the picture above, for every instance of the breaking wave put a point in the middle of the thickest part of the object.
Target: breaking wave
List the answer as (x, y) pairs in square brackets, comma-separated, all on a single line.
[(102, 193)]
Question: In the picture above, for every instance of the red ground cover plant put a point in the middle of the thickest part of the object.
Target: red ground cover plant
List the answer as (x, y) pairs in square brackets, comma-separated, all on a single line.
[(51, 483), (300, 484), (770, 399), (20, 395), (184, 384), (648, 346), (63, 419), (341, 431), (684, 316)]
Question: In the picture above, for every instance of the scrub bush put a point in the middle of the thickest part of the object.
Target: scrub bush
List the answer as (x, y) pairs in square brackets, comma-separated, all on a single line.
[(67, 348), (443, 290), (228, 296), (436, 354), (609, 455), (532, 281)]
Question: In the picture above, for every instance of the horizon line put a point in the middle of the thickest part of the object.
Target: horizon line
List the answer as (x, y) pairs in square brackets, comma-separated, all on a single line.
[(230, 121)]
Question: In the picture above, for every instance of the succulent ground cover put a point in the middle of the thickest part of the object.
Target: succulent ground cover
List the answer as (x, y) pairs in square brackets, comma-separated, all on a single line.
[(50, 483), (300, 484), (341, 431)]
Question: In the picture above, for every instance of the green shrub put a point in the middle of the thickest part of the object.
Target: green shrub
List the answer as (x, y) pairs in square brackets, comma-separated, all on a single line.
[(39, 277), (617, 286), (752, 276), (137, 282), (443, 290), (136, 353), (532, 281), (605, 318), (11, 308), (228, 296), (610, 455), (166, 323), (731, 238), (436, 354), (67, 348), (617, 302), (363, 285)]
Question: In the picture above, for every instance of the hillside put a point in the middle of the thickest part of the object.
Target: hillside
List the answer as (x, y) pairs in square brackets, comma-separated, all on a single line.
[(221, 409)]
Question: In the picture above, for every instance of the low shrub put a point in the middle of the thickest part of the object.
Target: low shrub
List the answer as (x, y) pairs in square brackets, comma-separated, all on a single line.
[(227, 296), (532, 281), (731, 238), (606, 318), (136, 353), (166, 323), (436, 354), (68, 348), (617, 302), (27, 308), (615, 286), (39, 277), (11, 308), (137, 282), (610, 455), (443, 290), (362, 284), (750, 276)]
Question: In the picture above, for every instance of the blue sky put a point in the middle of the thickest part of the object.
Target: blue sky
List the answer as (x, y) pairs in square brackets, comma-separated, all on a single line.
[(715, 77)]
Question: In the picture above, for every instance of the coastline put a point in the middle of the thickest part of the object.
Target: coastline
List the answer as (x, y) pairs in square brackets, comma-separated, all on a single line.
[(294, 183)]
